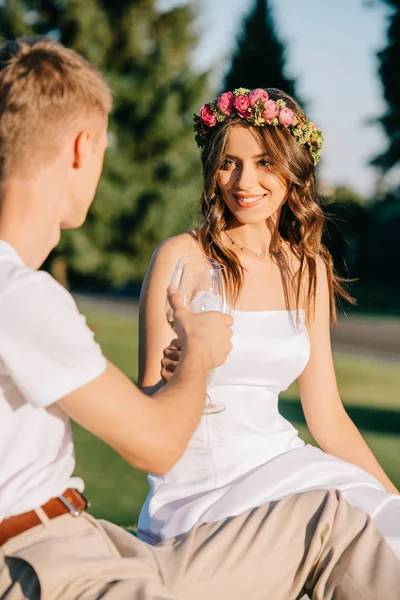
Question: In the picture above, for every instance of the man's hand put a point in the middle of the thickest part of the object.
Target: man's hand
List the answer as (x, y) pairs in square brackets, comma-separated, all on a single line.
[(170, 360), (209, 332)]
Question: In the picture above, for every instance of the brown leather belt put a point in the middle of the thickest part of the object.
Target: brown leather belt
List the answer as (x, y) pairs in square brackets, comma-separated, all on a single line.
[(71, 501)]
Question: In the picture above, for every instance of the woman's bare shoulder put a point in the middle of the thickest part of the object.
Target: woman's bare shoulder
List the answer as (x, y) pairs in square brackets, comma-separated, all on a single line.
[(173, 248)]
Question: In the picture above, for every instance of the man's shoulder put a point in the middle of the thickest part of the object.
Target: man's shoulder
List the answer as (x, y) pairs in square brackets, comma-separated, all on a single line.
[(19, 285), (14, 274)]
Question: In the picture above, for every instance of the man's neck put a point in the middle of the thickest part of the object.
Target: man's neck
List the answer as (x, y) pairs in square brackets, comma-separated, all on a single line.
[(29, 219)]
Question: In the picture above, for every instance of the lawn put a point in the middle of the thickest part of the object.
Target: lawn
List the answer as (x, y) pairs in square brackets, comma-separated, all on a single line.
[(370, 388), (365, 382)]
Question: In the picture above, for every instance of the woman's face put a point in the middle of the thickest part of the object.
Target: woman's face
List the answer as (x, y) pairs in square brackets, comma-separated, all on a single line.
[(248, 185)]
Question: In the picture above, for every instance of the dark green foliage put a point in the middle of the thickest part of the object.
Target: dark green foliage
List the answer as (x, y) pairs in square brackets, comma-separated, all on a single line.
[(259, 60), (151, 178), (389, 68)]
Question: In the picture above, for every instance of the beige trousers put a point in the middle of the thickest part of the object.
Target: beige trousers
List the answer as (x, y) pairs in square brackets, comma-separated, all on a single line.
[(311, 543)]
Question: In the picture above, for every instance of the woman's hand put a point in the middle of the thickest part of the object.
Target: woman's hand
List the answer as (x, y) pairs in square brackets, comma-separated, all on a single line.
[(170, 360)]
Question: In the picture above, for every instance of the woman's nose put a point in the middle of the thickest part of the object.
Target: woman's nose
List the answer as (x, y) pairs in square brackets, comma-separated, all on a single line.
[(246, 179)]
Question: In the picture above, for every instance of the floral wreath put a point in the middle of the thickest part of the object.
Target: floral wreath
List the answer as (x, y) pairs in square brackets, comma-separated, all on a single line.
[(257, 108)]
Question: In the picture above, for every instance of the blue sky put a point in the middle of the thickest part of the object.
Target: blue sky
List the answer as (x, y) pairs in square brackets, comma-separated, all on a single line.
[(331, 47)]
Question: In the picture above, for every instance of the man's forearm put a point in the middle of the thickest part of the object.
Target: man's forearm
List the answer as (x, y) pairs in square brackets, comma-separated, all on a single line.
[(151, 433), (184, 396), (173, 413)]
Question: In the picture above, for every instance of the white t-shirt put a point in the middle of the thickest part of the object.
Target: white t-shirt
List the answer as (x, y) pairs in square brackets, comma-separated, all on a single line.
[(46, 352)]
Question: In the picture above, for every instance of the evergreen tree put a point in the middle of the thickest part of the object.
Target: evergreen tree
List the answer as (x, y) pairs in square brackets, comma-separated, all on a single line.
[(151, 177), (259, 60), (389, 62)]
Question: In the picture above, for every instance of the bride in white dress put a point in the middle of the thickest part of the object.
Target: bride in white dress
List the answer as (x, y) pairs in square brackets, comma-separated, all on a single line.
[(262, 220)]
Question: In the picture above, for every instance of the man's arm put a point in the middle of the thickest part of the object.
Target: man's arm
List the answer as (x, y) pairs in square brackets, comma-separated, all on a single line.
[(51, 356), (151, 433)]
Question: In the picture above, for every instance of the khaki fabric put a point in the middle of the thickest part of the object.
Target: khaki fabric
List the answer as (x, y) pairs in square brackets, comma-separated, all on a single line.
[(314, 542)]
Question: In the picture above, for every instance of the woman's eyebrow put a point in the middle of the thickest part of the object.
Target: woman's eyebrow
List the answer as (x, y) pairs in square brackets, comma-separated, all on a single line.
[(262, 155)]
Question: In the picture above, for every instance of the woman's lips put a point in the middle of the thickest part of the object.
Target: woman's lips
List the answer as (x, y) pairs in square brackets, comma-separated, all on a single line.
[(248, 201)]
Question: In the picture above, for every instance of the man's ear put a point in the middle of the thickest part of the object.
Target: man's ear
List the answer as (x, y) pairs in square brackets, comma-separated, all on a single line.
[(81, 148)]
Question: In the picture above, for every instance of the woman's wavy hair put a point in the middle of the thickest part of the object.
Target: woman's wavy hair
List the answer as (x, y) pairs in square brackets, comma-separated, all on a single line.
[(301, 223)]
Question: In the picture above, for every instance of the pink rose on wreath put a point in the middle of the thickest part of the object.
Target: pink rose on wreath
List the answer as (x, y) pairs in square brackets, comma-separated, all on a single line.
[(286, 116), (242, 104), (225, 103), (271, 110), (207, 115), (258, 94)]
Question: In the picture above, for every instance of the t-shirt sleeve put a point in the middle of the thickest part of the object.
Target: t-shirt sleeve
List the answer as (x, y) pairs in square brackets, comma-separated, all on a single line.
[(46, 346)]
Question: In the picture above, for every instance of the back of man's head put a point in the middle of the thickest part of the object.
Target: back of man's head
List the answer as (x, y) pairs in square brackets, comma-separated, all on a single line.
[(45, 90)]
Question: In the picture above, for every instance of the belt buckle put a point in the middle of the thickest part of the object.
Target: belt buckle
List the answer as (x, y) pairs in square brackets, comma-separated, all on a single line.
[(75, 512), (87, 502)]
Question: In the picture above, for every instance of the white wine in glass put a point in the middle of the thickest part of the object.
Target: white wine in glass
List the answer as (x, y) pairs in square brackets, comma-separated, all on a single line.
[(201, 282)]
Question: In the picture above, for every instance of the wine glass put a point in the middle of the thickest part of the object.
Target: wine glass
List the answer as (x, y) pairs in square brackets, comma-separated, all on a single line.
[(201, 282)]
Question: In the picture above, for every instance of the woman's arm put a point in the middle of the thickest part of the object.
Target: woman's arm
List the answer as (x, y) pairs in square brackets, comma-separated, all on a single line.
[(325, 414), (154, 332)]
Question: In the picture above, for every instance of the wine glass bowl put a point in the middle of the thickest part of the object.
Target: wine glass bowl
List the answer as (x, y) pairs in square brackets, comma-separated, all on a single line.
[(202, 284)]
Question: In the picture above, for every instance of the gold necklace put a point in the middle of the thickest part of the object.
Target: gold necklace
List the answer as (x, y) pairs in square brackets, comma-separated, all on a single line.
[(258, 254)]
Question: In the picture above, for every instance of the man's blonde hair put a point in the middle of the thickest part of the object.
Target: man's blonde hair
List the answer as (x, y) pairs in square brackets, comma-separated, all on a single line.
[(44, 89)]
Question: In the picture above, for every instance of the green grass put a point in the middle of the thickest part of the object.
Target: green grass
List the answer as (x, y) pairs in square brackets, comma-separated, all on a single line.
[(117, 491), (118, 337), (364, 382)]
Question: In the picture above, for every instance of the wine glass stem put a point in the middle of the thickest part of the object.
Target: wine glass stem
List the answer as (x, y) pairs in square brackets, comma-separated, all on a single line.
[(208, 397), (210, 406)]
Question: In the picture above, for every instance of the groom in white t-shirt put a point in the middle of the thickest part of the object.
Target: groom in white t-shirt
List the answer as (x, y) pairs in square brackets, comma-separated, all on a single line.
[(53, 134)]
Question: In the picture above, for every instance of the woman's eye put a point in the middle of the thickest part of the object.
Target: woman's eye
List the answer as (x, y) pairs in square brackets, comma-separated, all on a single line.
[(264, 163), (228, 164)]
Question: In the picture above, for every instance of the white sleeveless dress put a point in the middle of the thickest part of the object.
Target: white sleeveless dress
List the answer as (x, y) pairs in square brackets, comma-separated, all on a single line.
[(249, 454)]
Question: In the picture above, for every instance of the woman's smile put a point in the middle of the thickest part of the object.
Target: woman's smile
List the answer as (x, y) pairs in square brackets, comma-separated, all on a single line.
[(248, 201)]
